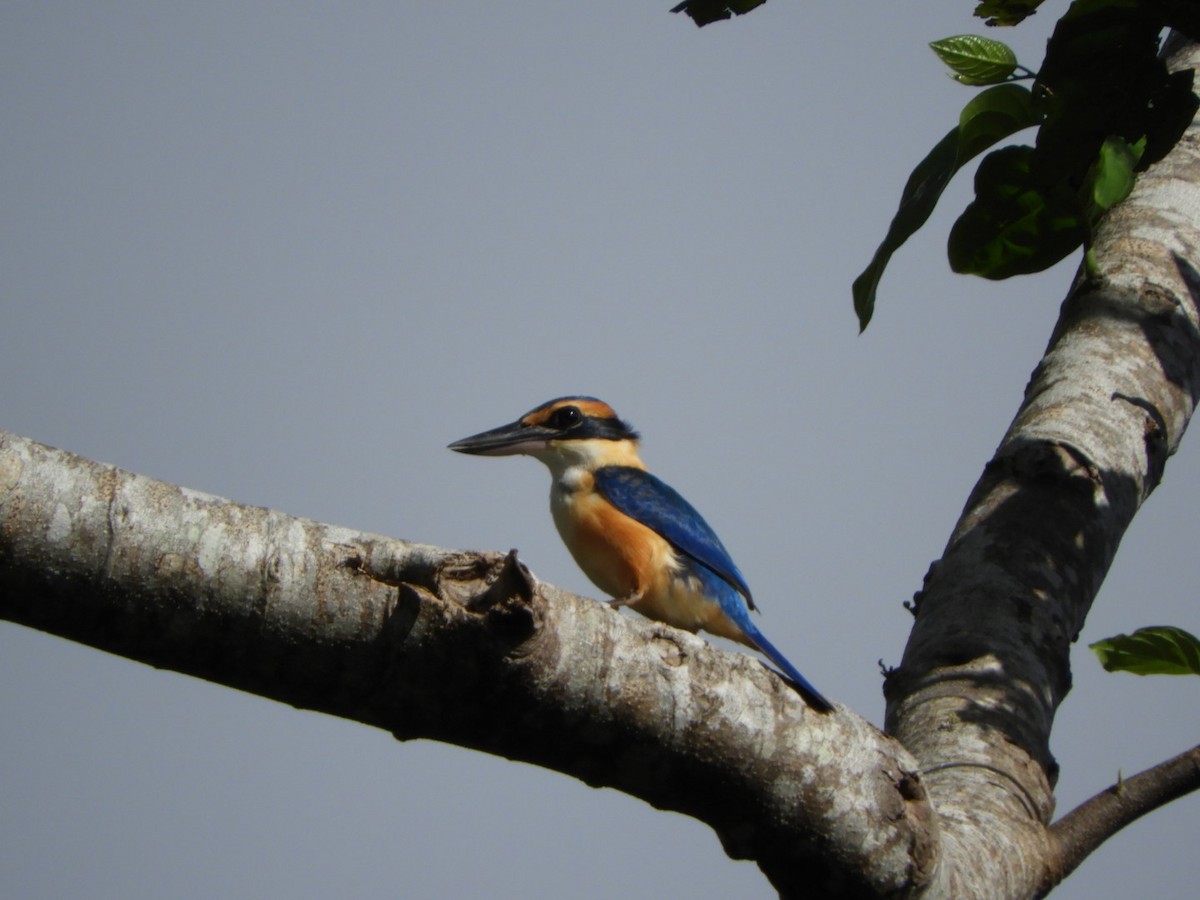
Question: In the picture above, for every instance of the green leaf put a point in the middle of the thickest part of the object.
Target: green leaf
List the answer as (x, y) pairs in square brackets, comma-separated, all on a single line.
[(1112, 174), (920, 196), (1015, 225), (1006, 12), (976, 60), (991, 116), (1160, 650)]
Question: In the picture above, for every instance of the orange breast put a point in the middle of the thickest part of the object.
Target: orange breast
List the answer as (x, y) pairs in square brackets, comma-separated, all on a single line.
[(616, 552), (629, 561)]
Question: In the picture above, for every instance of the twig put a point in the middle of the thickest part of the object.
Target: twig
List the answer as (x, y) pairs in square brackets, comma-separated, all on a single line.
[(1095, 820)]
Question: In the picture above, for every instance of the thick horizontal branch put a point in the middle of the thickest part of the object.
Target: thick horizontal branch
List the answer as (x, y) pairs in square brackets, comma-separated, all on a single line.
[(464, 648)]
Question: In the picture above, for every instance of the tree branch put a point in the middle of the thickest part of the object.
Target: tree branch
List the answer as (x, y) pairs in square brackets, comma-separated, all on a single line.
[(1094, 821), (987, 663), (464, 648)]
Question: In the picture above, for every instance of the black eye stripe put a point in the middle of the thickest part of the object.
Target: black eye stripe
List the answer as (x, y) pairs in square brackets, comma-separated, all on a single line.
[(565, 417), (578, 423)]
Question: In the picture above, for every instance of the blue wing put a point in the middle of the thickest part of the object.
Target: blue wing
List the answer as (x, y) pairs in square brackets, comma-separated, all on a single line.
[(641, 496), (660, 508)]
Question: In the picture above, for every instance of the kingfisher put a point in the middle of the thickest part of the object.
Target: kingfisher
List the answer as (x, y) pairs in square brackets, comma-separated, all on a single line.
[(633, 535)]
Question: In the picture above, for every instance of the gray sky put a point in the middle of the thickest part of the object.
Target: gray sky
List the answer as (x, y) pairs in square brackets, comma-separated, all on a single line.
[(285, 253)]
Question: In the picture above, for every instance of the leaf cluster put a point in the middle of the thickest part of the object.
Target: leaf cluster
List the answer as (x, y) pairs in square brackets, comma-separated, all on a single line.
[(1105, 107)]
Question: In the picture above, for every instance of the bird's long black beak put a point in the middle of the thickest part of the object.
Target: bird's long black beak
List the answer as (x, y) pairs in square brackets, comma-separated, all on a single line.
[(507, 440)]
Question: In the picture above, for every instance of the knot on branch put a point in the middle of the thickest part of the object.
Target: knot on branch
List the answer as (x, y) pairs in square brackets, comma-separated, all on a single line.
[(1154, 435), (1046, 460), (470, 633), (507, 602), (465, 612)]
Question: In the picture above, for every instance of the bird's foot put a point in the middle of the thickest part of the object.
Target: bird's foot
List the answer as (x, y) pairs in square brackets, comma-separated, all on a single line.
[(618, 602)]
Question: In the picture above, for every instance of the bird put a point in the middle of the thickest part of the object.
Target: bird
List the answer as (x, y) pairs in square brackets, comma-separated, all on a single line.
[(635, 537)]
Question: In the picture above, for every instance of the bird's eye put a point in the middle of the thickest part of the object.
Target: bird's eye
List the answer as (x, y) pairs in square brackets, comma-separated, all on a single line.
[(566, 417)]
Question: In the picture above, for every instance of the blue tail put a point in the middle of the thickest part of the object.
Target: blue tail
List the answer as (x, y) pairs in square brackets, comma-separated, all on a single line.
[(737, 606), (814, 697)]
